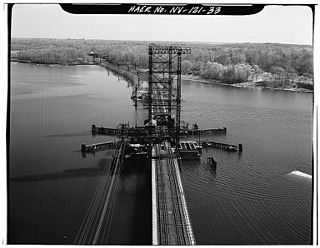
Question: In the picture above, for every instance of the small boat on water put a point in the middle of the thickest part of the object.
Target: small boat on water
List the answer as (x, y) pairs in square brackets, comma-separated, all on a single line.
[(211, 161)]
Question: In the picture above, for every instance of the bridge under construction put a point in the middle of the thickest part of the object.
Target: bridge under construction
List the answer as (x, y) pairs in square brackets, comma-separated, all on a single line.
[(158, 143)]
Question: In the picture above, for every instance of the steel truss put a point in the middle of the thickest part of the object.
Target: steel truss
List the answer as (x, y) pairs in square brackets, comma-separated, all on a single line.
[(164, 89)]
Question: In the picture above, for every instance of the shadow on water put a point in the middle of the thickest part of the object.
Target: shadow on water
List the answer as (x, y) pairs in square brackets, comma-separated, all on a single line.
[(80, 172), (189, 165), (192, 166), (133, 205), (213, 170), (67, 135)]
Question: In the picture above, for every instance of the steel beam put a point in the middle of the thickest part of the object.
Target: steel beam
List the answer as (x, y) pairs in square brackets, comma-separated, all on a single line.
[(178, 98)]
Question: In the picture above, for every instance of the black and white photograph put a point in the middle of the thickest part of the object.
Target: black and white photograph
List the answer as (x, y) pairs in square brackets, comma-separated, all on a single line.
[(161, 124)]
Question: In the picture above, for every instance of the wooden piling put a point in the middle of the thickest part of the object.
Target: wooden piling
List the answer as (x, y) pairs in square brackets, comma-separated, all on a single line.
[(240, 147), (83, 147), (180, 164)]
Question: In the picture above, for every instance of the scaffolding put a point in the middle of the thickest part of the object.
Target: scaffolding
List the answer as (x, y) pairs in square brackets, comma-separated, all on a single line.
[(164, 90)]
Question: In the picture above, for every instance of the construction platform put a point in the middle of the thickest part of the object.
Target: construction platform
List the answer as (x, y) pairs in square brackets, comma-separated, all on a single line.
[(97, 146), (227, 147), (183, 131), (189, 150), (204, 131)]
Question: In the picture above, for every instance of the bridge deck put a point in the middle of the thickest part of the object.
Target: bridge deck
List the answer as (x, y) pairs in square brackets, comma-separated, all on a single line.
[(171, 222), (96, 223)]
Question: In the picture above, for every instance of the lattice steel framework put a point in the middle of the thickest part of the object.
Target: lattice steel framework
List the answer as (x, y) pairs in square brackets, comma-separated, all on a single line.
[(164, 90)]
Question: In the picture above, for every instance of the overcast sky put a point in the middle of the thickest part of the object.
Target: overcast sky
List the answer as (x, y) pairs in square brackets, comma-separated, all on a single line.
[(281, 24)]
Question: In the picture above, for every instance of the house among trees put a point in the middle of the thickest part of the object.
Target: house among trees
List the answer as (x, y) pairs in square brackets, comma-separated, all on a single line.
[(94, 57)]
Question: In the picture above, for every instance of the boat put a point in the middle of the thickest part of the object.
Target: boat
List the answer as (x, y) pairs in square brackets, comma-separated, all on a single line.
[(211, 161)]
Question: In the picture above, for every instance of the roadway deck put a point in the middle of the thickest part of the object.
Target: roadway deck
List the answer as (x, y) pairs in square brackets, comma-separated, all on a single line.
[(170, 220), (95, 227)]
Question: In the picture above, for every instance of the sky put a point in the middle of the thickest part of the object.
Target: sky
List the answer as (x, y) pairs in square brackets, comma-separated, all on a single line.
[(276, 24)]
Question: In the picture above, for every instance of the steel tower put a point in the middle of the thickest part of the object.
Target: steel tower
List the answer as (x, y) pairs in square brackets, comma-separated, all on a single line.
[(164, 91)]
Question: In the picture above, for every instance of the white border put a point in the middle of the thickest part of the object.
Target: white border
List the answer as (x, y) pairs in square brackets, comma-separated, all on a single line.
[(4, 80)]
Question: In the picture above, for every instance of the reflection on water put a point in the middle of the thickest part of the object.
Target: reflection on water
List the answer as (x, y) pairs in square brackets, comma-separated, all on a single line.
[(247, 199)]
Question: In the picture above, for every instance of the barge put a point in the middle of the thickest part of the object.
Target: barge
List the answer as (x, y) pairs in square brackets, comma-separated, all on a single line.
[(228, 147), (189, 150)]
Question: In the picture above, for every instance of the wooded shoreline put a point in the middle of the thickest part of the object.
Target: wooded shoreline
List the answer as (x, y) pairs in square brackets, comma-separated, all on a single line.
[(270, 65), (132, 78)]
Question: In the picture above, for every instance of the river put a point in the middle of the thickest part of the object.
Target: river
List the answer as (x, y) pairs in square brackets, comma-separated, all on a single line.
[(251, 198)]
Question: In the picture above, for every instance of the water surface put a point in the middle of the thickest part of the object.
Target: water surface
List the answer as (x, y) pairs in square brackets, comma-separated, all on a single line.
[(248, 199)]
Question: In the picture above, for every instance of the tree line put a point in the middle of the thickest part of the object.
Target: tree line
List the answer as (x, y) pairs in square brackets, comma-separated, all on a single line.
[(281, 64)]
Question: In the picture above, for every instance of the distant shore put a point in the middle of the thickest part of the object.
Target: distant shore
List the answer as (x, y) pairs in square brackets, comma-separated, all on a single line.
[(132, 77), (52, 64), (128, 75), (251, 85)]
